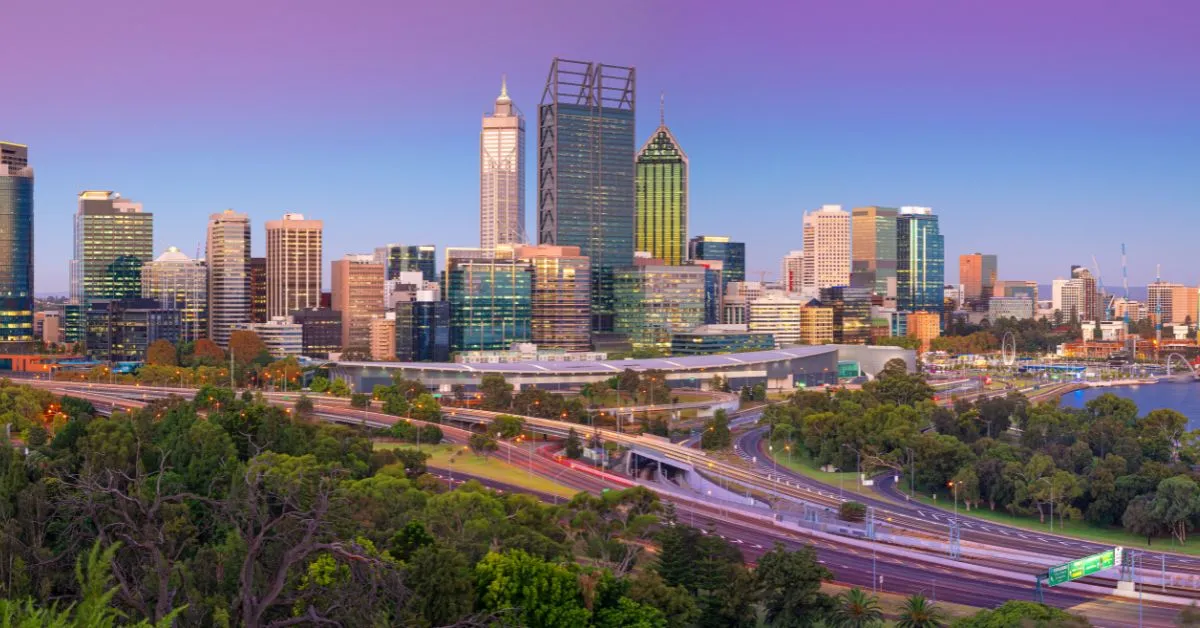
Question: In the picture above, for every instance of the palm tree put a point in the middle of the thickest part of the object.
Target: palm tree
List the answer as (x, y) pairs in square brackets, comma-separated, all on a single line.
[(856, 609), (919, 612)]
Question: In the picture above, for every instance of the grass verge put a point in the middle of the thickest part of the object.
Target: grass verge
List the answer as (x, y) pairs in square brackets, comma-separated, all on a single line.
[(846, 481), (495, 467)]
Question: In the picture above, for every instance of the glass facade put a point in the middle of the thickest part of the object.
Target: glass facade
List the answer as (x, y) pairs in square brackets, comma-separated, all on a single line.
[(873, 249), (258, 289), (851, 313), (713, 292), (662, 202), (696, 343), (920, 261), (561, 297), (490, 303), (227, 254), (320, 331), (16, 248), (502, 175), (122, 330), (113, 239), (732, 254), (400, 258), (178, 282), (423, 331), (654, 302)]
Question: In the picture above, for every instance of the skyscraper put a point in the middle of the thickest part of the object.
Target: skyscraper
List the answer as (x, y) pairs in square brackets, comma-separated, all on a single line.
[(920, 261), (228, 259), (293, 264), (16, 244), (400, 258), (358, 294), (662, 197), (560, 296), (490, 295), (258, 289), (502, 174), (113, 238), (733, 254), (178, 282), (873, 250), (977, 274), (586, 170), (826, 248)]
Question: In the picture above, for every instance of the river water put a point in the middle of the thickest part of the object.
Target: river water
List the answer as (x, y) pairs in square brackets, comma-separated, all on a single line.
[(1183, 397)]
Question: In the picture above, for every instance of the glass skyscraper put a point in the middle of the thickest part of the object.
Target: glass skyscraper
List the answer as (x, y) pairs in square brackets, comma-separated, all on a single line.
[(851, 313), (423, 331), (655, 301), (732, 254), (490, 295), (873, 249), (920, 261), (400, 258), (16, 244), (113, 239), (586, 170), (662, 198)]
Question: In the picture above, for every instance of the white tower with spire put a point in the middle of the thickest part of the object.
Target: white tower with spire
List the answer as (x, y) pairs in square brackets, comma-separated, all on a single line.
[(502, 174)]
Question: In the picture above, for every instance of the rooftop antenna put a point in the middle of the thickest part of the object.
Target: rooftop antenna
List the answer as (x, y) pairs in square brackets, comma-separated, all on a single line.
[(1157, 306), (1125, 283), (662, 108)]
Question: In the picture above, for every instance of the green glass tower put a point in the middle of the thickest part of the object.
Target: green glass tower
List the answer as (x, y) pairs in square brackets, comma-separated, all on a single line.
[(662, 197)]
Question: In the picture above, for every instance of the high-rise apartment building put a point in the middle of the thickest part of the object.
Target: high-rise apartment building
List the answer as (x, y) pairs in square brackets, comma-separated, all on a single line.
[(662, 197), (1080, 299), (655, 300), (920, 261), (293, 264), (720, 248), (358, 295), (258, 289), (826, 248), (977, 274), (401, 258), (586, 170), (502, 174), (560, 297), (490, 296), (16, 244), (792, 274), (228, 260), (873, 250), (1171, 303), (113, 239), (382, 337), (924, 326), (178, 282)]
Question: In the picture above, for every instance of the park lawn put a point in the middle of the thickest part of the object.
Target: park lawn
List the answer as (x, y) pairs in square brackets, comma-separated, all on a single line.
[(493, 468), (846, 480), (1079, 529)]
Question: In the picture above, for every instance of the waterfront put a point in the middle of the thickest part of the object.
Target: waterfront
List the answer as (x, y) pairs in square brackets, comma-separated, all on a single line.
[(1183, 397)]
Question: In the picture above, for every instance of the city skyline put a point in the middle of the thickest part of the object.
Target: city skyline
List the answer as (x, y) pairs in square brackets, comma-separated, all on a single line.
[(1014, 114)]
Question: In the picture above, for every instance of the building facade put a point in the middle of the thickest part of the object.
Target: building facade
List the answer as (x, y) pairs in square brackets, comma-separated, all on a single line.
[(281, 335), (586, 170), (924, 326), (294, 248), (873, 249), (1080, 299), (720, 248), (716, 339), (16, 244), (560, 297), (826, 248), (320, 332), (113, 239), (491, 300), (228, 260), (655, 300), (662, 198), (358, 295), (791, 276), (120, 330), (502, 174), (404, 258), (776, 314), (423, 330), (851, 313), (258, 289), (178, 282), (382, 341), (977, 274), (816, 324), (920, 261), (1020, 308)]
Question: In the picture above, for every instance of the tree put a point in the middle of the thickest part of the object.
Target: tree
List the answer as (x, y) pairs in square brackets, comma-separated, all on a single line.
[(856, 609), (541, 594), (574, 446), (496, 393), (206, 353), (246, 347), (791, 587), (339, 388), (425, 408), (919, 612), (1018, 613), (360, 400), (628, 613), (442, 582), (161, 353), (482, 444), (1176, 504), (506, 426), (716, 432), (1189, 617), (852, 511), (303, 406), (1139, 518)]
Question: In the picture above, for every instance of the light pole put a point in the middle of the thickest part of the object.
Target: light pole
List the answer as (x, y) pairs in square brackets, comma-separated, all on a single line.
[(954, 485)]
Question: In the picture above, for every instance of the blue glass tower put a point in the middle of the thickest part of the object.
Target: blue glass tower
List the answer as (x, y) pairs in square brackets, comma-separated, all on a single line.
[(920, 261), (719, 248), (16, 244), (491, 304)]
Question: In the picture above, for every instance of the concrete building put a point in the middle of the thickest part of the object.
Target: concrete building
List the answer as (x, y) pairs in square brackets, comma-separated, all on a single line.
[(661, 224), (258, 289), (502, 174), (1173, 303), (977, 274), (816, 324), (1017, 288), (358, 295), (924, 326), (178, 282), (1130, 310), (792, 273), (776, 314), (826, 248), (383, 337), (16, 247), (654, 300), (47, 326), (1020, 308), (320, 332), (873, 250), (1108, 331), (294, 248), (120, 330), (920, 261), (1080, 299), (560, 297), (228, 261), (731, 254), (281, 336), (114, 237)]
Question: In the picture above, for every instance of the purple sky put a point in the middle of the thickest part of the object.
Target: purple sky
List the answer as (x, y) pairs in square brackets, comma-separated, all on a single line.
[(1043, 131)]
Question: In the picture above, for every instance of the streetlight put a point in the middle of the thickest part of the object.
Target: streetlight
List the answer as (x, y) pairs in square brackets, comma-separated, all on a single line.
[(954, 485)]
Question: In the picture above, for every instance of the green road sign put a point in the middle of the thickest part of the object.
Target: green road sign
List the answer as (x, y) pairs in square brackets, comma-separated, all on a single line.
[(1085, 566)]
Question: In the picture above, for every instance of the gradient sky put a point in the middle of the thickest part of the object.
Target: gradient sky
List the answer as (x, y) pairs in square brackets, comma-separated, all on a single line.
[(1044, 131)]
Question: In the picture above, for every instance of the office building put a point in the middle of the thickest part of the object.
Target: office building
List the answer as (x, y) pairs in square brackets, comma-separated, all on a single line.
[(178, 282), (490, 296), (720, 248), (826, 248), (48, 326), (281, 335), (228, 260), (977, 274), (1017, 288), (715, 339), (791, 277), (113, 238), (120, 330), (586, 170), (502, 174), (16, 244), (924, 326), (423, 329), (873, 249), (1020, 308), (527, 352), (1104, 331), (560, 297), (776, 314), (1171, 303), (736, 299), (714, 290), (258, 289), (1129, 310), (320, 332), (655, 299), (382, 337), (1080, 299), (851, 313), (816, 324), (358, 295), (662, 197), (920, 261), (402, 258), (293, 264)]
